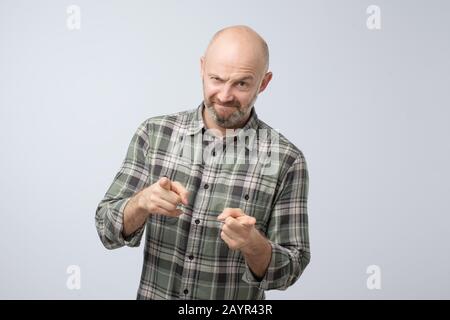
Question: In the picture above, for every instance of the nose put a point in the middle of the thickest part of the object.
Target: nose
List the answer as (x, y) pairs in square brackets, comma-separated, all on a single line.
[(225, 94)]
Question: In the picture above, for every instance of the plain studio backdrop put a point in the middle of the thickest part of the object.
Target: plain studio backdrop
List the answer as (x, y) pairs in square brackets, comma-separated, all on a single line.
[(369, 108)]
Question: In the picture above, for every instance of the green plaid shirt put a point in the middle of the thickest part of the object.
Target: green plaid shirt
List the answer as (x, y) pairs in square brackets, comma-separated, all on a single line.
[(185, 257)]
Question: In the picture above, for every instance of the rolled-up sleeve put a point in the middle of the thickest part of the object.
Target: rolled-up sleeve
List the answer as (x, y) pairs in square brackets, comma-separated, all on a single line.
[(287, 232), (131, 178)]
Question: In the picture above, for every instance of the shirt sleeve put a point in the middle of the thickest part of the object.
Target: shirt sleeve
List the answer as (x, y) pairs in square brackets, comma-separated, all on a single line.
[(287, 232), (131, 178)]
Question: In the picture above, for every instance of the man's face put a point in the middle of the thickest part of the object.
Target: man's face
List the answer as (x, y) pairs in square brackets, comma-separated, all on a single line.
[(230, 89)]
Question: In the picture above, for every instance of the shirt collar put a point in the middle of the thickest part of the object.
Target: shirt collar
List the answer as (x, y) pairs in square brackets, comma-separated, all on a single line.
[(196, 122)]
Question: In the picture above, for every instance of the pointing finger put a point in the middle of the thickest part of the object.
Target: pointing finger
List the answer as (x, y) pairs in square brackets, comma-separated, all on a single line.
[(164, 183), (230, 212), (181, 191)]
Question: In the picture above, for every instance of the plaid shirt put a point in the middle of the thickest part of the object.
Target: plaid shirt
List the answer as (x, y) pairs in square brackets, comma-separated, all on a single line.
[(185, 257)]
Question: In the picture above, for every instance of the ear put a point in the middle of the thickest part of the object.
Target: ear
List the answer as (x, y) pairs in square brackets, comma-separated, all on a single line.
[(265, 81), (202, 65)]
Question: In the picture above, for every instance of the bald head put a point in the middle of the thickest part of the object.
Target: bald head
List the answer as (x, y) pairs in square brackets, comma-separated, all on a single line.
[(240, 43), (234, 71)]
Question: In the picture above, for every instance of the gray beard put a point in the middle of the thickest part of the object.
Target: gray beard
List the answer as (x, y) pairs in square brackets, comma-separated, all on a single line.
[(234, 120)]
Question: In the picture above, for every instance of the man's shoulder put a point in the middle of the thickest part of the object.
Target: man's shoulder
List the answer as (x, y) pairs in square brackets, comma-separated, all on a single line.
[(174, 117), (171, 120), (288, 151)]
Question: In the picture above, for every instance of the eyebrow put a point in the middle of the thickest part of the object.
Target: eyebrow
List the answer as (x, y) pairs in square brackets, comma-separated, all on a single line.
[(241, 79)]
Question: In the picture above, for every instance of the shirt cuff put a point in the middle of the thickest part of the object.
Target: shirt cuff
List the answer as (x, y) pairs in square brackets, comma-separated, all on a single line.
[(277, 271), (132, 240)]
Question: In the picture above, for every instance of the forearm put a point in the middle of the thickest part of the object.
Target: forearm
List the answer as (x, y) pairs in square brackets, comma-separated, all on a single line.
[(134, 216), (258, 254)]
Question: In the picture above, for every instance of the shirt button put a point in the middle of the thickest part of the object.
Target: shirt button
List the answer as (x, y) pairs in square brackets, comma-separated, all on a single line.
[(206, 186), (197, 221), (191, 257), (246, 197), (186, 291)]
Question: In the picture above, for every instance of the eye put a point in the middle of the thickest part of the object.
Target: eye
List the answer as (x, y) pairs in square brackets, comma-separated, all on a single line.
[(242, 84)]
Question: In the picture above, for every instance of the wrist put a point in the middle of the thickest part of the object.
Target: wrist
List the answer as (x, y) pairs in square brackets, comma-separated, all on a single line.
[(255, 245), (140, 204)]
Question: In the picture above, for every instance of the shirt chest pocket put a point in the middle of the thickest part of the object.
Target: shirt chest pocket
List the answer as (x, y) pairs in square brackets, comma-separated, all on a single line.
[(171, 165), (258, 205)]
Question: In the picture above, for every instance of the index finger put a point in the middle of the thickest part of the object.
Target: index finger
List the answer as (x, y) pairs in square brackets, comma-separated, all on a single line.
[(230, 212), (181, 191)]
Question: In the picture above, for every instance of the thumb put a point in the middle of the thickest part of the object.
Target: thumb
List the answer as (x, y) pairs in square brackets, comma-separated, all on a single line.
[(164, 183), (249, 220)]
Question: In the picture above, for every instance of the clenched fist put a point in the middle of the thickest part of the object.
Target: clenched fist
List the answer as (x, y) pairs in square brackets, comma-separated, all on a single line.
[(238, 229), (239, 233)]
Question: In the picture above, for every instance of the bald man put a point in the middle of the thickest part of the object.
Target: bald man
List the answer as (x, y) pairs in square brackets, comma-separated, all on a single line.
[(222, 195)]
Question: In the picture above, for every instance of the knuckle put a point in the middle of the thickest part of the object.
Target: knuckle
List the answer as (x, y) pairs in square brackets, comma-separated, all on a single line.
[(152, 207), (152, 198)]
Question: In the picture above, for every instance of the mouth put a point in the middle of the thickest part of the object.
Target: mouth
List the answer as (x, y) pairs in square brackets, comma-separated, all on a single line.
[(224, 107), (224, 110)]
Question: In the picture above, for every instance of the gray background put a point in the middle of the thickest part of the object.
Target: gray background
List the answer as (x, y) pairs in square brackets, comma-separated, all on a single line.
[(369, 109)]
